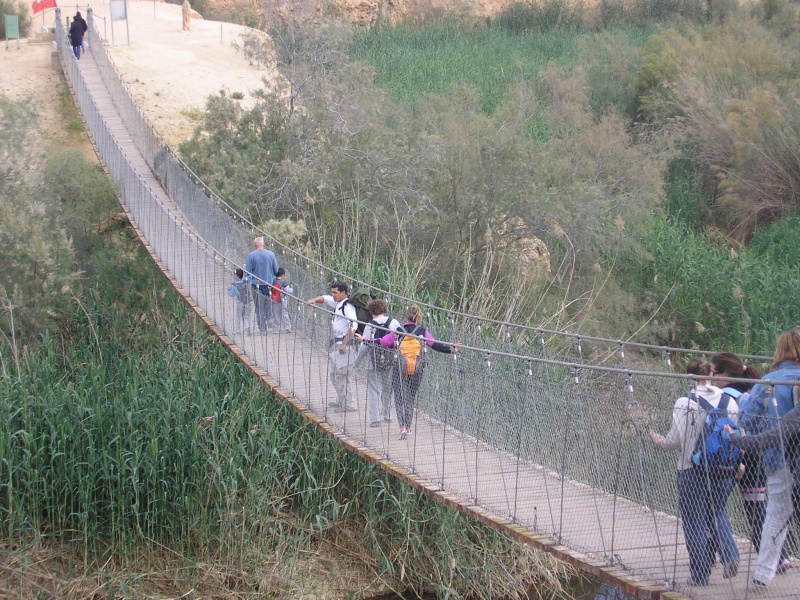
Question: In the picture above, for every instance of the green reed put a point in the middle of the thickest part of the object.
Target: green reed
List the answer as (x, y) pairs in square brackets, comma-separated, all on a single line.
[(142, 431), (416, 61)]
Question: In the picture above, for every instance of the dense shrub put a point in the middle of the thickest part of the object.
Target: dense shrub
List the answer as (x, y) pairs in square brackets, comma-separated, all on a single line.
[(735, 91)]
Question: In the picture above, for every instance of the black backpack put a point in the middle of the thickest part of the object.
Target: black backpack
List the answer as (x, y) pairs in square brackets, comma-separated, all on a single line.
[(359, 299), (382, 358)]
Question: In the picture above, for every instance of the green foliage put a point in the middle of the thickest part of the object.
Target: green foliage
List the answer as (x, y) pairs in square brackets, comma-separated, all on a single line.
[(735, 89), (716, 295), (125, 438), (14, 7), (779, 16), (687, 202), (665, 11), (234, 147), (611, 62), (85, 198), (661, 63), (412, 62), (551, 15), (35, 249), (554, 15)]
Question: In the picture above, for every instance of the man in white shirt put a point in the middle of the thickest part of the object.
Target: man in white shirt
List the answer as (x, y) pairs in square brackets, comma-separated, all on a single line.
[(344, 323)]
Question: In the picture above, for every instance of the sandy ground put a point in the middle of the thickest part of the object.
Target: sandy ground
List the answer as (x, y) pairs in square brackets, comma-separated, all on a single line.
[(169, 71)]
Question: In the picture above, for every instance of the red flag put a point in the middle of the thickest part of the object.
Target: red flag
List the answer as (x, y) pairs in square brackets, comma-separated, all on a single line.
[(40, 5)]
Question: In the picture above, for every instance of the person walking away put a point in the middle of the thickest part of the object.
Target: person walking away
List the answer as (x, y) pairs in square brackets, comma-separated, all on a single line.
[(760, 414), (341, 357), (412, 338), (240, 292), (380, 362), (695, 489), (751, 478), (76, 32), (280, 305), (263, 266)]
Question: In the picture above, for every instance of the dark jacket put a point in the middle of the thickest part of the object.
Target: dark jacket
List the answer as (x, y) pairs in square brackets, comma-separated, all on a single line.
[(77, 29)]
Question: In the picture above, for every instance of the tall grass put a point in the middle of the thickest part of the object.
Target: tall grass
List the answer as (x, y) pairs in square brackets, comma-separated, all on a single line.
[(717, 294), (429, 60), (139, 430)]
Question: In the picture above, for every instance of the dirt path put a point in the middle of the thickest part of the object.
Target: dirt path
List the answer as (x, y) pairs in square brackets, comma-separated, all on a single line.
[(169, 71)]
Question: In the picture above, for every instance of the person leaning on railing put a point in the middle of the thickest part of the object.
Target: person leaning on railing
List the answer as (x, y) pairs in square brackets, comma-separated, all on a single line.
[(758, 416)]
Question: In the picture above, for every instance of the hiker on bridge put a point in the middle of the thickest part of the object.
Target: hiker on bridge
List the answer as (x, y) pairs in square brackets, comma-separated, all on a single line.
[(379, 362), (410, 363), (759, 414), (341, 357), (263, 266), (76, 32), (751, 478), (701, 498), (786, 433)]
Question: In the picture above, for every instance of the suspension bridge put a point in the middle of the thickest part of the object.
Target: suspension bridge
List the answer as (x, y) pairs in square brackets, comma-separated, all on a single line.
[(540, 434)]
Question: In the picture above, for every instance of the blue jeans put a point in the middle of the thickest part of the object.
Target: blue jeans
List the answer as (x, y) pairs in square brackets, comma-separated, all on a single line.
[(76, 50), (691, 499), (702, 504), (263, 305), (718, 492)]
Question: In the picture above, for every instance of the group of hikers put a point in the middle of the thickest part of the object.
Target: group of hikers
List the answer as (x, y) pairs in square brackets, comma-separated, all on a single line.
[(730, 431), (393, 354), (263, 284)]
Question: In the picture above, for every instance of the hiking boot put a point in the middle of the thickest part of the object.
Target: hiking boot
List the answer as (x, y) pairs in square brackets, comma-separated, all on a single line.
[(730, 570), (758, 584), (375, 424), (347, 408), (334, 404)]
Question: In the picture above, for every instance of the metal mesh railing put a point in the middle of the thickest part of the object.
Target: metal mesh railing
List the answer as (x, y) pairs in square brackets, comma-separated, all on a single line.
[(519, 424)]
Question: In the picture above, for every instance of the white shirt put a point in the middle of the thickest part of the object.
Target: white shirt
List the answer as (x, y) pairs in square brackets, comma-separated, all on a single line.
[(687, 422), (344, 316)]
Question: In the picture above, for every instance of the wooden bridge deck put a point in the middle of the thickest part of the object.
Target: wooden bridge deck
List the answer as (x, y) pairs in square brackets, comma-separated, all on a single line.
[(627, 544)]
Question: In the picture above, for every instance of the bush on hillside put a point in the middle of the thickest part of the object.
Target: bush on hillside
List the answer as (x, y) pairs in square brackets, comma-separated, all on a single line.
[(736, 94)]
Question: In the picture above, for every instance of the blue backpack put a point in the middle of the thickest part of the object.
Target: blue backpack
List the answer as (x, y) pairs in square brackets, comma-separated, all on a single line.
[(713, 451)]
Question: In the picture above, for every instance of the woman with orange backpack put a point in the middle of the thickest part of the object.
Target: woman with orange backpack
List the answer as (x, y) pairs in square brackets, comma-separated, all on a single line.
[(411, 341)]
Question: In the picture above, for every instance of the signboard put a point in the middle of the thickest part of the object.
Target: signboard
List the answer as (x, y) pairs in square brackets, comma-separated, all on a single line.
[(119, 10), (12, 27)]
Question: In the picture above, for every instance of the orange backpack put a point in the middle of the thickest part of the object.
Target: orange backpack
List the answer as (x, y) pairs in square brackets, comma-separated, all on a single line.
[(410, 351)]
